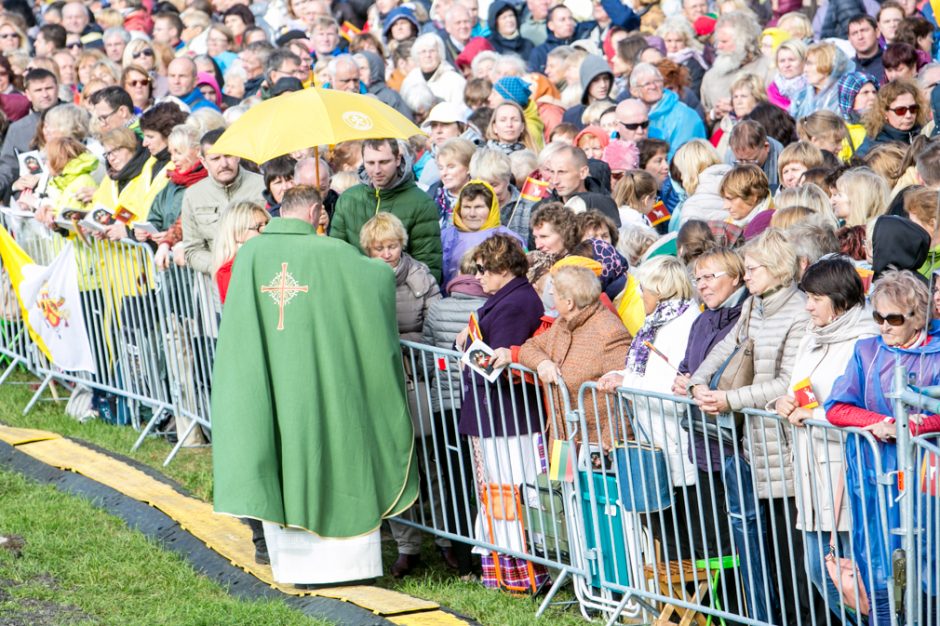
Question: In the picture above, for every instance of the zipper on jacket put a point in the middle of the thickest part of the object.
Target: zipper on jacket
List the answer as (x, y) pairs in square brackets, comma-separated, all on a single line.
[(378, 201)]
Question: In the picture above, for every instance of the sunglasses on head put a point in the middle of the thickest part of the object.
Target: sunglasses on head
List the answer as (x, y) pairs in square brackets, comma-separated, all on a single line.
[(914, 108), (636, 125), (893, 319)]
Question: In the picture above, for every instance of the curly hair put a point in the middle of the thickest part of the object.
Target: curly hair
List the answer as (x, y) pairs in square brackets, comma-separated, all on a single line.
[(502, 253), (875, 118)]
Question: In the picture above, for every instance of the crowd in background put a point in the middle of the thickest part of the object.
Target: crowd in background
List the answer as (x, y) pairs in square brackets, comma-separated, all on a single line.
[(613, 188)]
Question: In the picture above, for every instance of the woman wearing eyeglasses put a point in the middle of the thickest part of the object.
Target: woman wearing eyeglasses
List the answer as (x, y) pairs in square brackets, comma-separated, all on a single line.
[(898, 115), (138, 85), (11, 37), (859, 399), (835, 300), (241, 222), (140, 53)]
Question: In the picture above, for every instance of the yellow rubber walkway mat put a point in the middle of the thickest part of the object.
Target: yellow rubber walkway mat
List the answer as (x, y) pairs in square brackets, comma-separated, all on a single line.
[(225, 535)]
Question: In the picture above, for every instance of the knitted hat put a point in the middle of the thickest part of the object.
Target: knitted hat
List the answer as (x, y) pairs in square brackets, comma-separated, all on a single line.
[(621, 155), (777, 35), (705, 25), (595, 131), (474, 47), (514, 89)]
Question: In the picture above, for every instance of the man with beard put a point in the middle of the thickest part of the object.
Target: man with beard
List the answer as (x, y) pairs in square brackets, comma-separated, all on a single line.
[(737, 45)]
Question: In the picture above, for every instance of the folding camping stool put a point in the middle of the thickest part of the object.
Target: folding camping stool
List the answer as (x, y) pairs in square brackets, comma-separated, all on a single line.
[(672, 580), (504, 503)]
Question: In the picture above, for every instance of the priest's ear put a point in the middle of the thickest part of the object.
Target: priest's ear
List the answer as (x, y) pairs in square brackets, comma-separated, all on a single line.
[(302, 202)]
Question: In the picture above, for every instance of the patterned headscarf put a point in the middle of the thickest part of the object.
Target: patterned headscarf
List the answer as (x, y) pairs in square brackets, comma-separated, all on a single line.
[(613, 264), (849, 86)]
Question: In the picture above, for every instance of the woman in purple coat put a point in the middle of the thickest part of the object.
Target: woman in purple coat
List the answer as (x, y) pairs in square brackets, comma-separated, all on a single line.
[(501, 417)]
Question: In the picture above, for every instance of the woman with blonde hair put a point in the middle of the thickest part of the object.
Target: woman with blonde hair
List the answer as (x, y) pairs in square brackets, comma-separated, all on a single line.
[(785, 218), (794, 160), (808, 196), (827, 131), (698, 169), (507, 130), (634, 195), (797, 24), (746, 193), (823, 67), (887, 160), (71, 166), (861, 195), (12, 37), (747, 91), (789, 81), (453, 163), (898, 115), (238, 224), (139, 85), (141, 52), (684, 48)]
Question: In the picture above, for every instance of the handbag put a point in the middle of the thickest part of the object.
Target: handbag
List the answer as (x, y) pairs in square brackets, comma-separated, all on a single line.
[(735, 372), (645, 485), (842, 571)]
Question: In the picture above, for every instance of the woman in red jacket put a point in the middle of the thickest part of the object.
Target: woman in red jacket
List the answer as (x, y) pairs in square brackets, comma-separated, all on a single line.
[(241, 222)]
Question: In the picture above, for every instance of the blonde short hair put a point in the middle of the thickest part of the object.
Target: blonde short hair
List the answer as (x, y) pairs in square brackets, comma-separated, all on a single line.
[(726, 258), (383, 227), (753, 83), (824, 55), (233, 225), (822, 125), (666, 277), (775, 252), (797, 24), (457, 148), (796, 46), (489, 165), (693, 158), (747, 182), (867, 195), (810, 196), (577, 283), (802, 152), (785, 218)]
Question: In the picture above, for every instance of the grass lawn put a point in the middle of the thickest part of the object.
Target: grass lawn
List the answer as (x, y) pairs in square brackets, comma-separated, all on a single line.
[(80, 565), (193, 470)]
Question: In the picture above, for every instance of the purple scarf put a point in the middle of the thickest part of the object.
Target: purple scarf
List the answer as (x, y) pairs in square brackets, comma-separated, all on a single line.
[(665, 312)]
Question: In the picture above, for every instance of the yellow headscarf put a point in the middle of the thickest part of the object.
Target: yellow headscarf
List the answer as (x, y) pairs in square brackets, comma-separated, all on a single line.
[(579, 261), (777, 35), (492, 220)]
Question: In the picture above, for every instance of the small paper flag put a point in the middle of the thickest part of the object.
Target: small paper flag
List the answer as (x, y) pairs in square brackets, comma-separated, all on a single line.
[(534, 190), (658, 214), (349, 30), (475, 333), (562, 465), (803, 393), (442, 363), (930, 475)]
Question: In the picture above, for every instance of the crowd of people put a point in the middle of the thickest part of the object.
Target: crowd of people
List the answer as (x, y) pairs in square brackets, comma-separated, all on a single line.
[(612, 189)]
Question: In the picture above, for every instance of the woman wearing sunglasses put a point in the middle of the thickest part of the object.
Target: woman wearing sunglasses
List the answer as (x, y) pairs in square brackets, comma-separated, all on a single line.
[(859, 399), (898, 115), (137, 82)]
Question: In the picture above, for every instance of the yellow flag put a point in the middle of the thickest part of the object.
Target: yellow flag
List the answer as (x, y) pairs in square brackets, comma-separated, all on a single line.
[(14, 260)]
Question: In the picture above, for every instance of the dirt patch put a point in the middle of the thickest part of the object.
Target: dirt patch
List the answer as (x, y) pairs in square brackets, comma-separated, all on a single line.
[(30, 612)]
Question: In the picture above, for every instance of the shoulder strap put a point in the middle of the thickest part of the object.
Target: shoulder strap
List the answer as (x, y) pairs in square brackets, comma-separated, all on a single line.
[(837, 510)]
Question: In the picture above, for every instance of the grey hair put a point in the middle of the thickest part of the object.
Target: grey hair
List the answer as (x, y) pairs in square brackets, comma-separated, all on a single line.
[(561, 53), (184, 135), (419, 98), (116, 31), (634, 241), (490, 164), (426, 41), (812, 239), (482, 57), (643, 69), (334, 63), (747, 32), (515, 65), (72, 119), (678, 24)]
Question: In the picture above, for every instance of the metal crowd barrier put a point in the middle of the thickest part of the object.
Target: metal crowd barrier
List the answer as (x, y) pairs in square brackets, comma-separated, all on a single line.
[(152, 334), (663, 514)]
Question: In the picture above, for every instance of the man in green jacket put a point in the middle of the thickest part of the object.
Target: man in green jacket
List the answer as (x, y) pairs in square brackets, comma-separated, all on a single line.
[(387, 184)]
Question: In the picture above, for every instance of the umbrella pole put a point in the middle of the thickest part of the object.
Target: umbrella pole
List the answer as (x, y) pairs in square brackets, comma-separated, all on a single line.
[(316, 157)]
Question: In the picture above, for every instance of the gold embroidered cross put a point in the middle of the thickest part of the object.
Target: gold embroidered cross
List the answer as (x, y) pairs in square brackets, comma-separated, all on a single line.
[(283, 288)]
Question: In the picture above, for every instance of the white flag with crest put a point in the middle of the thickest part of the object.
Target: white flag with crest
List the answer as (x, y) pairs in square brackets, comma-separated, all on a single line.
[(50, 294)]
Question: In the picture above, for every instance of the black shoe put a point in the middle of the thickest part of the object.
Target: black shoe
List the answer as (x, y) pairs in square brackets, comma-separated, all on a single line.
[(405, 564), (261, 555)]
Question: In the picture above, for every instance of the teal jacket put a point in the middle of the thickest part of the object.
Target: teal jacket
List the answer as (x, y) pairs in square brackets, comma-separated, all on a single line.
[(404, 200)]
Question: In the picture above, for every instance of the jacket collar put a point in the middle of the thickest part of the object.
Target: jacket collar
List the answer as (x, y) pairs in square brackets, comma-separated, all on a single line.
[(288, 226), (775, 301), (519, 282)]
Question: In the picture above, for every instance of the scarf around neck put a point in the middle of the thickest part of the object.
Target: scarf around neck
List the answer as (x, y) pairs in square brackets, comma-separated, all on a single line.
[(790, 87), (187, 178), (665, 312)]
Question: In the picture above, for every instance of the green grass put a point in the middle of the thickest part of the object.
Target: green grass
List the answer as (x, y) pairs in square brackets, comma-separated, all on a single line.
[(192, 468), (81, 565)]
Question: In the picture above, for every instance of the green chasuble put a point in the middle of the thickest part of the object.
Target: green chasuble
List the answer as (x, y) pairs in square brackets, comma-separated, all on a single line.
[(310, 424)]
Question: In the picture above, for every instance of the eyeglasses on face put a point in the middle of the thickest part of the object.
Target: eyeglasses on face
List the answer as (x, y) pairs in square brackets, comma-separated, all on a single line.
[(9, 36), (146, 52), (893, 319), (707, 278), (104, 118), (478, 269), (138, 83), (75, 44), (901, 111)]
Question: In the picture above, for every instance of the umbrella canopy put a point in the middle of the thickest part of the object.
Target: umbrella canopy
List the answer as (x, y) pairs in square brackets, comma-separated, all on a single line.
[(308, 118)]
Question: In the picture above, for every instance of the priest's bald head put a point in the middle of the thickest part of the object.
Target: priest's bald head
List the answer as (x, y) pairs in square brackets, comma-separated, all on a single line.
[(303, 202)]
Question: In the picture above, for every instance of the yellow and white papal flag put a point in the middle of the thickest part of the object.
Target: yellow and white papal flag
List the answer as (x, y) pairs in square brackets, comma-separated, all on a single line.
[(50, 302)]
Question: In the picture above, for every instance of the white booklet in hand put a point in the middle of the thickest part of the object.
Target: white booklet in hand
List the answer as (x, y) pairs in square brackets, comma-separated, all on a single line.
[(479, 357)]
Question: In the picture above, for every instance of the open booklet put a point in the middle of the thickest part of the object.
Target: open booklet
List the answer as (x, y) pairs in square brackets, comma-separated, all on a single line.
[(99, 218), (479, 357), (33, 163)]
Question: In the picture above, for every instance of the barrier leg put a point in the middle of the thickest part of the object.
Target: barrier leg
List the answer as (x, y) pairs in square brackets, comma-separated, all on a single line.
[(179, 444), (143, 435), (38, 394), (9, 370), (551, 593)]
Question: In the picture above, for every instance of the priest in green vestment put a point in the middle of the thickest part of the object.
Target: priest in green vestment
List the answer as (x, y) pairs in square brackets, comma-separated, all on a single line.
[(310, 425)]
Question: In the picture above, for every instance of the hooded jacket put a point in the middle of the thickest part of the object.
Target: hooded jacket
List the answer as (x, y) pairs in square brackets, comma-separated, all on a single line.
[(76, 175), (808, 101), (899, 243), (675, 122), (706, 203), (379, 89), (507, 45), (415, 290), (403, 199), (457, 239)]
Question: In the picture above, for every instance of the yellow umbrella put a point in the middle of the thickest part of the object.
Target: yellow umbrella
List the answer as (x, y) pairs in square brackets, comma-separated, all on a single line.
[(309, 118)]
